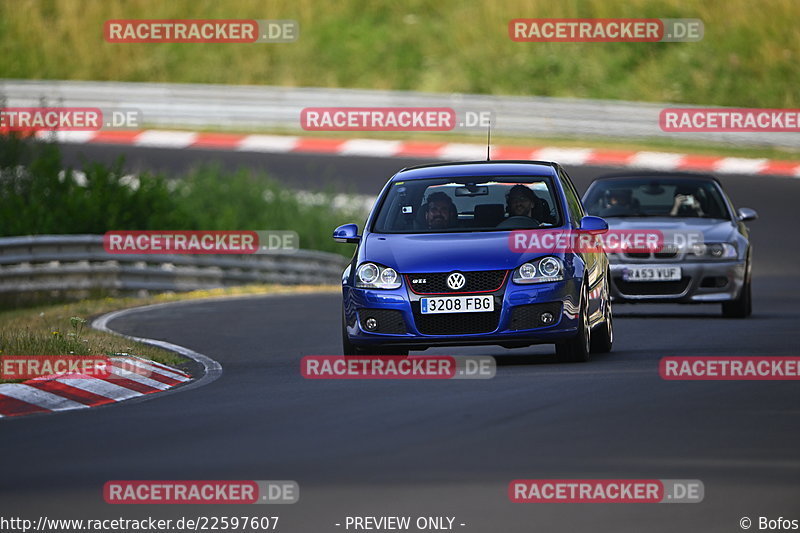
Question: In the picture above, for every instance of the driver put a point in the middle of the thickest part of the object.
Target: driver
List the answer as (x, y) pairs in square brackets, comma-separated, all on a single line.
[(617, 202), (618, 197), (521, 201), (440, 211)]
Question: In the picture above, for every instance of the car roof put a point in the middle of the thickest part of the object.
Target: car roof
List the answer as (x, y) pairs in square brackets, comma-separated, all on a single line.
[(697, 176), (478, 168)]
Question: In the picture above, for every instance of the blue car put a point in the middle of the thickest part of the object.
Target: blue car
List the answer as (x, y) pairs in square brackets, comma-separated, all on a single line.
[(437, 264)]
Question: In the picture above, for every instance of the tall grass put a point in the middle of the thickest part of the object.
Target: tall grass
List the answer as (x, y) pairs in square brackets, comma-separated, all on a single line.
[(748, 57), (39, 196), (62, 330)]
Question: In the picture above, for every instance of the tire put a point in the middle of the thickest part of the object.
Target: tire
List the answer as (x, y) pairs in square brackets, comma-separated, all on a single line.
[(742, 306), (577, 348), (603, 337)]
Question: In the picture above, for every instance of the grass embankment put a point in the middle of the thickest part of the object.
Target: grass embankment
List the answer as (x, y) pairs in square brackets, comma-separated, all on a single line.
[(37, 196), (748, 56), (64, 329)]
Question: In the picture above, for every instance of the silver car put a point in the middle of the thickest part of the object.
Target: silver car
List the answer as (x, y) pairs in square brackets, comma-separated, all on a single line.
[(705, 256)]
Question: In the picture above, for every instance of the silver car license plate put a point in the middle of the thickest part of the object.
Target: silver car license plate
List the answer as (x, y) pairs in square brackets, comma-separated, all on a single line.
[(650, 273)]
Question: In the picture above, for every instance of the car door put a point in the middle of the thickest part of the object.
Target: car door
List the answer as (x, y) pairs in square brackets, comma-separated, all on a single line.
[(596, 263)]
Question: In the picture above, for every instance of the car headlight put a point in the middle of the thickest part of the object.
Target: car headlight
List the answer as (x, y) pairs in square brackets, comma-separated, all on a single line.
[(372, 276), (539, 271), (716, 250)]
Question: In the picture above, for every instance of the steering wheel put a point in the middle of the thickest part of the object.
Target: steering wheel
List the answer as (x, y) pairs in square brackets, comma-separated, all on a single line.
[(519, 222)]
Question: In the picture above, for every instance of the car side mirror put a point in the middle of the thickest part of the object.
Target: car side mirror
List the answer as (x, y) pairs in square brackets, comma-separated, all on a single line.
[(593, 225), (346, 233), (745, 214)]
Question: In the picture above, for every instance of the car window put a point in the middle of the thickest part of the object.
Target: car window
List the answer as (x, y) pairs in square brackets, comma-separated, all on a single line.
[(444, 205), (656, 197)]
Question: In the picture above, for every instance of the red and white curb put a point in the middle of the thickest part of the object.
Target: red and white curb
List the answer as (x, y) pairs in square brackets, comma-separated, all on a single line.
[(46, 395), (130, 377), (429, 150)]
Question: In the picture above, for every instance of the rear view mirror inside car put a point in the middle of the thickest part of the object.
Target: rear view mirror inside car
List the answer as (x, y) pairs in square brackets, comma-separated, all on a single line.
[(472, 190)]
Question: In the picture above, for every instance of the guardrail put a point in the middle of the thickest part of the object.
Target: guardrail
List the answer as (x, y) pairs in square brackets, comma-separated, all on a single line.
[(240, 107), (78, 265)]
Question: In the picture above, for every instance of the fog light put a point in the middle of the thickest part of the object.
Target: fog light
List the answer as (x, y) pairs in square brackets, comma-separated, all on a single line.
[(371, 324), (547, 318)]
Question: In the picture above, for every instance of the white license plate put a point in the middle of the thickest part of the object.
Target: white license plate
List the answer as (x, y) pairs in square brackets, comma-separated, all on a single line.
[(457, 304), (651, 273)]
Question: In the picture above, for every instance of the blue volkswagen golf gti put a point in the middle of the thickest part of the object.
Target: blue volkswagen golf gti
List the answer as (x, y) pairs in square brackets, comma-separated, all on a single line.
[(435, 265)]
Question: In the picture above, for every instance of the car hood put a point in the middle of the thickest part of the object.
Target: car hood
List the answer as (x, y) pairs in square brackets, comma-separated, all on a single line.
[(442, 252), (713, 230)]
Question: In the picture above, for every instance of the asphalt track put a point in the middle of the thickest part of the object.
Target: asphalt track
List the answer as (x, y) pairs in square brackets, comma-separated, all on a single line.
[(442, 448)]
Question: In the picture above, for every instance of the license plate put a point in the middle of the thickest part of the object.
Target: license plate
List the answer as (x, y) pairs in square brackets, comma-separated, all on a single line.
[(651, 274), (457, 304)]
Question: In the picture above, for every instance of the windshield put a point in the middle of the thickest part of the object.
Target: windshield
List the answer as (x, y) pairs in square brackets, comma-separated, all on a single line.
[(655, 197), (446, 205)]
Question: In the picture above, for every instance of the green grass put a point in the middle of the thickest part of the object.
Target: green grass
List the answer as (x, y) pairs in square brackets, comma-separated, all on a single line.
[(748, 56), (63, 330)]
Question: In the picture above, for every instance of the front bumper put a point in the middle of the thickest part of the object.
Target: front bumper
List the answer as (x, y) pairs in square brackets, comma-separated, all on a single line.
[(514, 322), (701, 282)]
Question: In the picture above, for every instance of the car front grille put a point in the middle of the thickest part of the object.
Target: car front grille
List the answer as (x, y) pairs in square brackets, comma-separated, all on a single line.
[(652, 288), (665, 255), (455, 323), (529, 316), (666, 252), (476, 281), (637, 255)]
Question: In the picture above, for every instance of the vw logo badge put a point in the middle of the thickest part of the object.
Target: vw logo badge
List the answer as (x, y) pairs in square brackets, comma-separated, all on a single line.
[(456, 280)]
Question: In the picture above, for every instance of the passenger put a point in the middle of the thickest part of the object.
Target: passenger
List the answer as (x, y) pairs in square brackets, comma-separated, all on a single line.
[(521, 201), (686, 203)]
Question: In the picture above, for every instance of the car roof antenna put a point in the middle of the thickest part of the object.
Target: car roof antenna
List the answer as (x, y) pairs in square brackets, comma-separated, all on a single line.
[(489, 141)]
